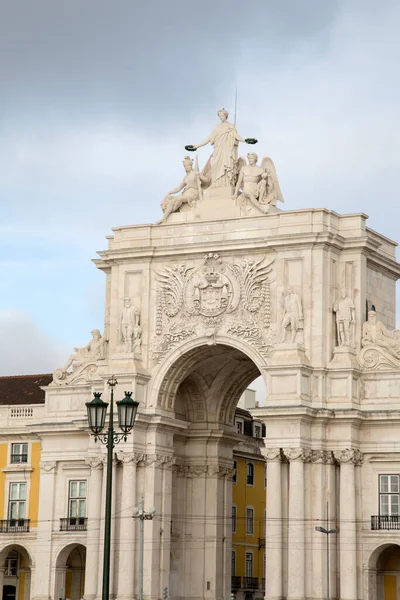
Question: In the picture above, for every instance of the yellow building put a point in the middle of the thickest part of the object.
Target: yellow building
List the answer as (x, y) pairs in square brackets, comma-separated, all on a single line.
[(248, 511)]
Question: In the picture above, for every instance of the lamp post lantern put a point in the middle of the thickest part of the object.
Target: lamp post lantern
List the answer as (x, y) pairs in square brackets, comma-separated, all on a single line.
[(327, 532), (96, 412)]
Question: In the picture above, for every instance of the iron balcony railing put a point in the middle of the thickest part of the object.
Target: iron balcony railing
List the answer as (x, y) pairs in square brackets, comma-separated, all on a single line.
[(14, 526), (385, 522), (73, 524), (250, 583), (236, 582)]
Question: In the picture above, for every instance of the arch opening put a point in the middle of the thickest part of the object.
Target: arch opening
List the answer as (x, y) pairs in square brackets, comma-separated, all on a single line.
[(16, 562), (70, 572), (204, 384), (384, 570)]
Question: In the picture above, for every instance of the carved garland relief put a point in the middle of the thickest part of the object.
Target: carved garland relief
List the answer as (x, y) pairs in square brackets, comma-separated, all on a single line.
[(216, 297)]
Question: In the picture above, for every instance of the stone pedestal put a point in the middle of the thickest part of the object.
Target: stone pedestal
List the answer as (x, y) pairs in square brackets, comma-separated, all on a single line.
[(344, 357)]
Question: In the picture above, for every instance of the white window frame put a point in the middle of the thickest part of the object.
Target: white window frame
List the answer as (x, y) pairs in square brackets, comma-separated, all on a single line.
[(12, 564), (234, 518), (246, 554), (78, 499), (239, 426), (392, 494), (248, 532), (248, 463), (18, 443), (18, 501)]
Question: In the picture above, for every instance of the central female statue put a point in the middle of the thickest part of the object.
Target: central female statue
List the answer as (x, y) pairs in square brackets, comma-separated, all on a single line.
[(225, 140)]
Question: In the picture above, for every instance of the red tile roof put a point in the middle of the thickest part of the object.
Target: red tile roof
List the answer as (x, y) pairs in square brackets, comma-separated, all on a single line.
[(23, 389)]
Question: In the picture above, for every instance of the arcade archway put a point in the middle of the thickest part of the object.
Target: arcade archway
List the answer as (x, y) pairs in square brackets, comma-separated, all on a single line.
[(15, 573), (70, 572), (202, 387), (384, 573)]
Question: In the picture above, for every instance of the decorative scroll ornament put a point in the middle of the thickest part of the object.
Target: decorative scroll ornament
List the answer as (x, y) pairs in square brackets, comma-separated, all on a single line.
[(48, 465), (215, 297), (349, 456), (95, 462)]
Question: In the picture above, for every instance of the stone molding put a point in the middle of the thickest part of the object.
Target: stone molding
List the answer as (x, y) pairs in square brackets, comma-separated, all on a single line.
[(297, 454), (130, 457), (48, 465), (349, 455)]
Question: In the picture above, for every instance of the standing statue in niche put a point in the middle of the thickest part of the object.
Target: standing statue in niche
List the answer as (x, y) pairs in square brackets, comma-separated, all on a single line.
[(292, 318), (345, 319), (130, 329), (93, 351), (374, 333), (222, 165), (259, 184), (192, 190)]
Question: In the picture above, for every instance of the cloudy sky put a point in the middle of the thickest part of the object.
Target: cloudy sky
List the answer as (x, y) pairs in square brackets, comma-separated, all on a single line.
[(99, 97)]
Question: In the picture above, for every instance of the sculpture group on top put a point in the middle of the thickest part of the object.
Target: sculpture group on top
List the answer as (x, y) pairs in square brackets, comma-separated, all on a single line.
[(253, 186)]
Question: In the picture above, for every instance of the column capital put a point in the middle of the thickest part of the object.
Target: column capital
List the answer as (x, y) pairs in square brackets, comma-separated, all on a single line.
[(158, 460), (349, 455), (322, 457), (95, 462), (272, 454), (48, 466), (297, 454), (133, 458)]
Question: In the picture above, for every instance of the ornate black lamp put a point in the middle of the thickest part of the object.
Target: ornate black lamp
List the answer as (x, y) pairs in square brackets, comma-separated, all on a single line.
[(96, 412)]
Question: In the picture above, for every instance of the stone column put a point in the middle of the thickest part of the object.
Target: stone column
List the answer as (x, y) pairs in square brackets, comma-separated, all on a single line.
[(347, 523), (126, 549), (296, 533), (166, 515), (153, 496), (42, 578), (319, 499), (93, 525), (273, 528)]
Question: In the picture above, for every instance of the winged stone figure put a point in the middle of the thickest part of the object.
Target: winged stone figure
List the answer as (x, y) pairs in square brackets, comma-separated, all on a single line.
[(258, 183)]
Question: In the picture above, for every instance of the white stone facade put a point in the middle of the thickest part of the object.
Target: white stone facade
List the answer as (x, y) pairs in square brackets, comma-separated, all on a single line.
[(213, 300)]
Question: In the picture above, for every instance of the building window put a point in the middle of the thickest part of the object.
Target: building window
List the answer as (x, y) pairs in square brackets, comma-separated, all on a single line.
[(233, 563), (17, 502), (233, 519), (249, 564), (250, 473), (389, 493), (249, 521), (239, 426), (11, 565), (19, 453), (77, 500), (265, 475), (257, 431), (234, 478)]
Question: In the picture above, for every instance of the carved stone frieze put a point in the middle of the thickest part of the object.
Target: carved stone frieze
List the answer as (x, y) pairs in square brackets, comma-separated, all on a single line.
[(218, 471), (215, 297), (158, 460), (348, 455)]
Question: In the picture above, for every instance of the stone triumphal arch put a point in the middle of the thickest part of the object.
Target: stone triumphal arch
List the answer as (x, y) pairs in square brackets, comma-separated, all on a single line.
[(226, 287)]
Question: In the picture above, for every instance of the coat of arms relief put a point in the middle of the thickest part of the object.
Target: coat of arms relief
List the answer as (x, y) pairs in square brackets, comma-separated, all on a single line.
[(217, 297)]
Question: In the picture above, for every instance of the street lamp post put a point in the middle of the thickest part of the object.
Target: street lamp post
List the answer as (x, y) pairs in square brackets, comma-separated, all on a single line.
[(97, 411), (327, 532)]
